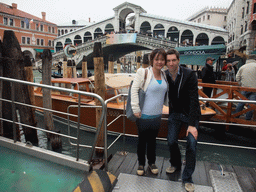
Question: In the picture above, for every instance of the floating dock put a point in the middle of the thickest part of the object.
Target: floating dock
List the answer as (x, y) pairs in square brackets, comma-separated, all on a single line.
[(207, 176)]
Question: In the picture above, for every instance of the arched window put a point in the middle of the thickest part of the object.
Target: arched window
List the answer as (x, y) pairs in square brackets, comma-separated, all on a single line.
[(145, 28), (173, 34), (97, 33), (59, 46), (66, 31), (109, 27), (68, 41), (187, 38), (159, 31), (218, 40), (77, 40), (202, 39), (87, 36)]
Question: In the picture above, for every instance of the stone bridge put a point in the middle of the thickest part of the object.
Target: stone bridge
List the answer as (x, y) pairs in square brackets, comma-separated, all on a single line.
[(120, 46)]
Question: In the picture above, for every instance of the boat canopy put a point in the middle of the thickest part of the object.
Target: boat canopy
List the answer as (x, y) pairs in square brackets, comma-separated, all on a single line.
[(197, 55)]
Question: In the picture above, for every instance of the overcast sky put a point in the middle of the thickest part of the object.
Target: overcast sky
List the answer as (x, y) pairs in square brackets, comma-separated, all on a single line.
[(63, 11)]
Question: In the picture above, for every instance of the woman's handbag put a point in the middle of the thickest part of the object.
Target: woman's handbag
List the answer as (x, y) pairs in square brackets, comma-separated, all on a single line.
[(129, 112)]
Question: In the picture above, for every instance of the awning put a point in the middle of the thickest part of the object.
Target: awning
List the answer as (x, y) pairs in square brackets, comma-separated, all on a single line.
[(197, 55), (196, 59), (41, 50)]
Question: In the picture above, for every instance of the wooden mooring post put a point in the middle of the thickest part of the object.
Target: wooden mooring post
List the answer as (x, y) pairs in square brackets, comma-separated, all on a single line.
[(14, 67), (145, 61), (110, 64), (55, 140), (84, 67), (65, 63), (99, 82), (118, 66)]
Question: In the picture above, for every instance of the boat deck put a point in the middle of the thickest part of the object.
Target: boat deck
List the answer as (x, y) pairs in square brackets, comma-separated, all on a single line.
[(207, 176)]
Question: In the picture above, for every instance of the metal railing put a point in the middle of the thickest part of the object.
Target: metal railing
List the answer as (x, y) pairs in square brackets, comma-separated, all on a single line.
[(79, 93), (164, 139)]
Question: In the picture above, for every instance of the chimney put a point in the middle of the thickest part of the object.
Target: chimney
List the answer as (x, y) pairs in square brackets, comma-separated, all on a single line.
[(89, 20), (43, 15), (14, 5)]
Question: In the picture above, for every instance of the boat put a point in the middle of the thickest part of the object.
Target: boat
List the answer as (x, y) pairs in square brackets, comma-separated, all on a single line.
[(115, 84)]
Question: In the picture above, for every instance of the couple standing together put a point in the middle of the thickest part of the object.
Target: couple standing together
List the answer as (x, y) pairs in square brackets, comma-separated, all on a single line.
[(176, 87)]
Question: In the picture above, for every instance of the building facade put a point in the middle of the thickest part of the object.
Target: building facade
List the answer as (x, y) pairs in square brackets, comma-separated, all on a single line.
[(211, 16), (34, 34), (72, 26), (241, 26)]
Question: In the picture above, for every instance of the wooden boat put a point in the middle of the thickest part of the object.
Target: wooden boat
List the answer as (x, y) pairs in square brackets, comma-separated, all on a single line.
[(115, 84)]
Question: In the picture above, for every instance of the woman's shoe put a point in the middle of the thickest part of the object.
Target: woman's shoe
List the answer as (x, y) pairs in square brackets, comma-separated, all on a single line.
[(140, 170)]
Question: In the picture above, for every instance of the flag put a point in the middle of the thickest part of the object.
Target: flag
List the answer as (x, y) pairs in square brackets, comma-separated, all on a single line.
[(31, 21)]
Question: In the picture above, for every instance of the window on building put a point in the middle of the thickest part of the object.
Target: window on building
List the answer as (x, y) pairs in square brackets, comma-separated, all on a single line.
[(208, 17), (242, 12), (28, 40), (225, 18), (245, 26), (49, 43), (23, 40), (242, 29), (203, 18), (38, 41), (11, 22), (53, 31), (37, 27), (247, 9), (254, 8), (5, 21), (41, 27), (199, 20), (27, 25), (49, 29), (22, 24), (42, 42), (52, 43)]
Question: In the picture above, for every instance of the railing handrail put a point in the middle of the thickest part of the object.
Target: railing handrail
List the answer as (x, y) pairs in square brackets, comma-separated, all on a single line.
[(103, 106)]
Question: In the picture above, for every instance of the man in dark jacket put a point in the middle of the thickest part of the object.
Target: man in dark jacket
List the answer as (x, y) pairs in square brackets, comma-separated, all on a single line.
[(184, 109), (208, 76)]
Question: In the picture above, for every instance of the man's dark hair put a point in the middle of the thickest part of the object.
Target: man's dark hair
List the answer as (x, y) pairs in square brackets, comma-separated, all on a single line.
[(175, 52)]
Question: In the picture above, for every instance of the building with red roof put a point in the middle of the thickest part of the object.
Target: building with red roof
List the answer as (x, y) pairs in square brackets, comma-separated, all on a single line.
[(33, 33)]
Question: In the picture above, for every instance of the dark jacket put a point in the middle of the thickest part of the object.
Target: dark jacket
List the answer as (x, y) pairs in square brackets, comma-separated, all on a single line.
[(183, 95), (207, 74)]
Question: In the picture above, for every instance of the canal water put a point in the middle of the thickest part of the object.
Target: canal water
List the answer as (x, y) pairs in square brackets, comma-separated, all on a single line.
[(216, 154)]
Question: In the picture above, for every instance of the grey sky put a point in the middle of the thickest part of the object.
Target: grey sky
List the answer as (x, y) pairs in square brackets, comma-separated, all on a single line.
[(63, 11)]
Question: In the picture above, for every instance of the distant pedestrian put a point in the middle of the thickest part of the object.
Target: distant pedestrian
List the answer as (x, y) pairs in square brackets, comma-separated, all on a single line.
[(224, 68), (208, 75), (246, 77), (230, 73)]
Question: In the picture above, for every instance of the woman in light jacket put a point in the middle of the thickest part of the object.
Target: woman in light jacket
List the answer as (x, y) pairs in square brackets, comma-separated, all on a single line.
[(149, 117)]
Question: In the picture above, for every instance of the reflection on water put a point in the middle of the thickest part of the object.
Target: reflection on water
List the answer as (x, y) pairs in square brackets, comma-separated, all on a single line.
[(215, 154)]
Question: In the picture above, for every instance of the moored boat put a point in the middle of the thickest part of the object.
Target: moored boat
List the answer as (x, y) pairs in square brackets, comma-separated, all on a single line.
[(115, 84)]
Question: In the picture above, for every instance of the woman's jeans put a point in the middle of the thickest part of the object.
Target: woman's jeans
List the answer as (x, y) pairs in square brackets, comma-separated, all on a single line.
[(147, 131), (175, 122)]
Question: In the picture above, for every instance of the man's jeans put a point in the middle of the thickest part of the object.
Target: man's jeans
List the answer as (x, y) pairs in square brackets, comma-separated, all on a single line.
[(175, 122), (240, 106)]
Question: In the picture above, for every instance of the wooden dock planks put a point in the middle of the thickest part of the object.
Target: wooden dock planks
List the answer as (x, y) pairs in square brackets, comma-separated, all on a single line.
[(128, 164)]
